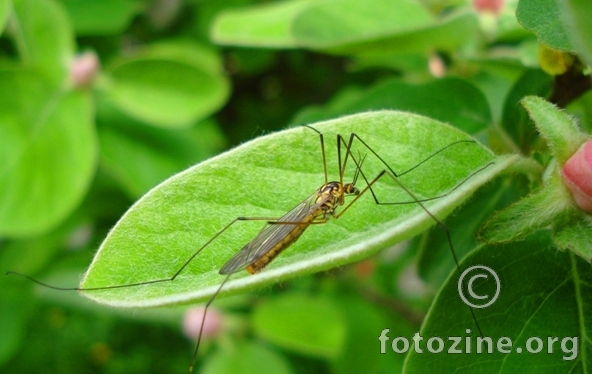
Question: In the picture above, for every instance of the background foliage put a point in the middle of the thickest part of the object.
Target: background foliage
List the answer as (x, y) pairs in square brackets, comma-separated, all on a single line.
[(101, 100)]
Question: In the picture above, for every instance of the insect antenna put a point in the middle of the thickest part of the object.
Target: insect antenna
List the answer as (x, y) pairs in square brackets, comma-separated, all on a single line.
[(358, 167)]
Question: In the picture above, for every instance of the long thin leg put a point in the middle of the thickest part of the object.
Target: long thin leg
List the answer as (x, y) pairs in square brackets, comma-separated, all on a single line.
[(439, 223), (391, 173), (354, 135), (322, 138), (340, 165), (415, 200), (434, 197), (203, 320), (169, 279)]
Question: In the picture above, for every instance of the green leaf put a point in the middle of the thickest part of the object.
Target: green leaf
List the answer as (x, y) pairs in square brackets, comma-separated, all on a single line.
[(44, 38), (494, 80), (377, 27), (559, 129), (266, 178), (515, 121), (544, 293), (30, 255), (342, 22), (14, 310), (575, 18), (534, 212), (450, 100), (320, 330), (365, 319), (262, 25), (448, 33), (247, 359), (542, 17), (434, 258), (48, 153), (5, 7), (575, 235), (101, 17), (172, 84)]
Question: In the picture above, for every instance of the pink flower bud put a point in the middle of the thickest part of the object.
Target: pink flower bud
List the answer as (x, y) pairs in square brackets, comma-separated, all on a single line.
[(84, 68), (493, 6), (577, 176), (192, 322)]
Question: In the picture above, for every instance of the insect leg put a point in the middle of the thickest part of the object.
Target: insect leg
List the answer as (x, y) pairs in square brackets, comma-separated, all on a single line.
[(169, 279), (394, 176), (322, 138), (203, 320)]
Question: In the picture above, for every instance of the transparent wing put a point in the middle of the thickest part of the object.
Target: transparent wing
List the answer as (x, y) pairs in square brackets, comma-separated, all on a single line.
[(271, 235)]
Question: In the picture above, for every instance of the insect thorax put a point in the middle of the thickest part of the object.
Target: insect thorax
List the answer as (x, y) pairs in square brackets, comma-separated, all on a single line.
[(332, 194)]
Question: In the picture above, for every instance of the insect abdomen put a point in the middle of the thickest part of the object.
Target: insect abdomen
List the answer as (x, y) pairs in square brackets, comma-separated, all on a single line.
[(262, 261)]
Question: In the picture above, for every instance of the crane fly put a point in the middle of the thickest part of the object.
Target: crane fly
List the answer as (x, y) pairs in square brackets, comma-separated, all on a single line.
[(280, 233)]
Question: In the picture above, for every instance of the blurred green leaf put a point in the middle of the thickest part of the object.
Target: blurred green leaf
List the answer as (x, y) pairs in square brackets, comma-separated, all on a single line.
[(348, 27), (543, 18), (365, 321), (173, 84), (101, 17), (339, 104), (494, 80), (575, 18), (247, 358), (14, 312), (320, 330), (48, 152), (65, 274), (515, 121), (435, 262), (544, 293), (44, 38), (5, 7), (414, 64), (448, 33), (141, 156), (261, 25), (582, 109), (450, 100), (509, 30), (69, 341), (333, 23), (189, 208), (29, 256)]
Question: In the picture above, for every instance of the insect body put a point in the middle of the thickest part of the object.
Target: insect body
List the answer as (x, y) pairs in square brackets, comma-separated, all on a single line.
[(318, 208)]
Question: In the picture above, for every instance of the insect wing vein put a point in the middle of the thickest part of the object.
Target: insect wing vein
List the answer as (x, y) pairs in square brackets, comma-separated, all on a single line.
[(270, 236)]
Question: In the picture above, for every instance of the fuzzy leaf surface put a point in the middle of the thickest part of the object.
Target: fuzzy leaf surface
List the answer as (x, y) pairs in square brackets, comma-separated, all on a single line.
[(266, 178)]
